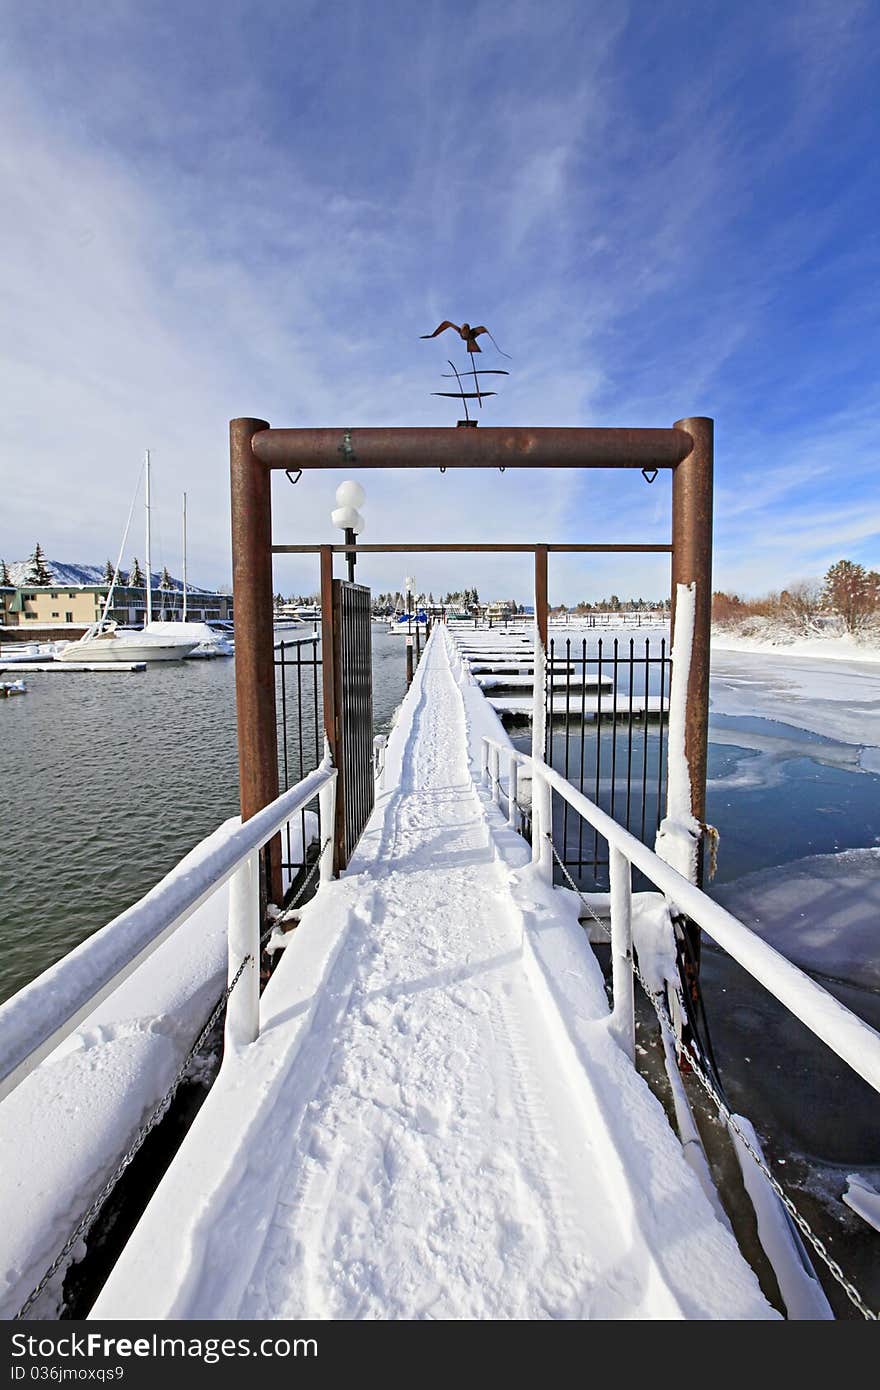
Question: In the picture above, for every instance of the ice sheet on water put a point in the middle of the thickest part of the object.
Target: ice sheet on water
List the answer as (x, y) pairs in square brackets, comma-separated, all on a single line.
[(864, 1198), (765, 746), (821, 912), (839, 700)]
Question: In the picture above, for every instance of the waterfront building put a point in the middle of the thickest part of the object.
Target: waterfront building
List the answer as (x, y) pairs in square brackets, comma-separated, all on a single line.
[(71, 608)]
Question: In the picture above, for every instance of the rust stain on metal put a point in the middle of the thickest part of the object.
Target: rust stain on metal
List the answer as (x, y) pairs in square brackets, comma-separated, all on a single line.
[(487, 447), (254, 665)]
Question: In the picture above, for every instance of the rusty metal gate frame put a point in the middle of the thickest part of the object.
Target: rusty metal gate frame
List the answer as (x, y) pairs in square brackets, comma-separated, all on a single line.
[(256, 450)]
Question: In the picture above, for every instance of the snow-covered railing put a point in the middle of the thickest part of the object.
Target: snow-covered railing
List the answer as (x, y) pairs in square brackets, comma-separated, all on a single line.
[(38, 1018), (854, 1041)]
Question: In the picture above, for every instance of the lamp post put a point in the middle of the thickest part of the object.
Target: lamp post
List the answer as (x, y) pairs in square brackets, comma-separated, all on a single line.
[(349, 496)]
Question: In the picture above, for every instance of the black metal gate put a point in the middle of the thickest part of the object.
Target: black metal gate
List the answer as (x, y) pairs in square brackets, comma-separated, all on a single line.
[(300, 736), (353, 676), (607, 708)]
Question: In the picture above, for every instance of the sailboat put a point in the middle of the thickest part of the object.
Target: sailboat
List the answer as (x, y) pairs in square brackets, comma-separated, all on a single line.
[(104, 641), (208, 641)]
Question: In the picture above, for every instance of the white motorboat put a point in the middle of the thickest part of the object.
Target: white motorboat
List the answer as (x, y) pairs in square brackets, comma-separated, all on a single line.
[(103, 641), (206, 642)]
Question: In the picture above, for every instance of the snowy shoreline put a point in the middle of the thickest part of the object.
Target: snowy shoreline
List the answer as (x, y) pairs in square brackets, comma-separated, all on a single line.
[(786, 643)]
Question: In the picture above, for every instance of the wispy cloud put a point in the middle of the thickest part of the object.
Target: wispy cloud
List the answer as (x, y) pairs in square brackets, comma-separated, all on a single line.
[(233, 209)]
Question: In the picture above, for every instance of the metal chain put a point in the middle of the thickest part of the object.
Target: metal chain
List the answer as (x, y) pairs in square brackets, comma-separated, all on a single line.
[(295, 899), (505, 792), (724, 1113), (87, 1219)]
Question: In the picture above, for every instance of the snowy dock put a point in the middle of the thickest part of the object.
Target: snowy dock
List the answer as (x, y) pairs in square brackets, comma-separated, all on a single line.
[(608, 707), (435, 1120), (526, 681), (46, 667)]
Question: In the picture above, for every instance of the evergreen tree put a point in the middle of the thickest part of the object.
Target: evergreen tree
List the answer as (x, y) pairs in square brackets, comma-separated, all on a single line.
[(165, 580), (4, 573), (853, 592), (38, 571), (108, 572), (136, 575)]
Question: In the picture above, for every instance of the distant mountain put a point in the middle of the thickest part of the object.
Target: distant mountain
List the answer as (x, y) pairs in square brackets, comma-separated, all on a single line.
[(85, 574)]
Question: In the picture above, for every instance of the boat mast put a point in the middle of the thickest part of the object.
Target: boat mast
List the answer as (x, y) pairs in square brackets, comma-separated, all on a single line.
[(149, 577), (184, 557)]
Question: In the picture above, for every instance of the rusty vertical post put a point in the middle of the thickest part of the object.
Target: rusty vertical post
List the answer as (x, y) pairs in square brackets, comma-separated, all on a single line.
[(254, 638), (328, 674), (409, 661), (692, 564)]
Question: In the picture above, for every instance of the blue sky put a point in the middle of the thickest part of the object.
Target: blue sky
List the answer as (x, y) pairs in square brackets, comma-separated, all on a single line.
[(256, 209)]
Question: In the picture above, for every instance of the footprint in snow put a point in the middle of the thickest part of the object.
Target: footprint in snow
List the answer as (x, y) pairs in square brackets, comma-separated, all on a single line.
[(470, 997)]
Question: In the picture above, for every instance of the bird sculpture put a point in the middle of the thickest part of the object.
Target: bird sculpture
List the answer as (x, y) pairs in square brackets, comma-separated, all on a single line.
[(467, 334)]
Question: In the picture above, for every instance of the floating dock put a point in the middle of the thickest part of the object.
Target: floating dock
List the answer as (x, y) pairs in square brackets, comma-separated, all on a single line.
[(512, 682), (585, 707), (53, 666)]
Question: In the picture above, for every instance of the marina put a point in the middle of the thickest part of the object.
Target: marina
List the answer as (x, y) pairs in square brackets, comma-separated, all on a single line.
[(408, 871), (465, 909)]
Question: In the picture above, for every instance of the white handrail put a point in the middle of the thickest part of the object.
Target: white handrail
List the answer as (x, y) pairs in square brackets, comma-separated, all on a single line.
[(36, 1019), (853, 1040)]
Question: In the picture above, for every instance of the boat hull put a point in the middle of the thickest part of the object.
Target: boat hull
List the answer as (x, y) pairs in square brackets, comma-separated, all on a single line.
[(117, 650)]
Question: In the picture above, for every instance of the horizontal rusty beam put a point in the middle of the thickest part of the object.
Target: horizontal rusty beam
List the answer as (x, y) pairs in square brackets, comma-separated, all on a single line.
[(492, 447), (471, 548)]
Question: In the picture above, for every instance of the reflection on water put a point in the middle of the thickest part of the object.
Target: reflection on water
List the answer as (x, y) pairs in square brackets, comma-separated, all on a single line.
[(108, 780)]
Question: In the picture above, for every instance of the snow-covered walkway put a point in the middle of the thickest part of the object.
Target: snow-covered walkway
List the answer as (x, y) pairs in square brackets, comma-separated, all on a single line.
[(431, 1125)]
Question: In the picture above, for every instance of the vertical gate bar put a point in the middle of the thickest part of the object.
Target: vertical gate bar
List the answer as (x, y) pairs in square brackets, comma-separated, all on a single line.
[(692, 564), (539, 693), (645, 734), (512, 781), (549, 700), (598, 748), (284, 716), (251, 498), (614, 728), (583, 664), (629, 743), (300, 732), (661, 724), (316, 662), (567, 742)]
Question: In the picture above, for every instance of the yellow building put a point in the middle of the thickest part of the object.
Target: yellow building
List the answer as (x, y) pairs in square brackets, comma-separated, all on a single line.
[(74, 607), (78, 605)]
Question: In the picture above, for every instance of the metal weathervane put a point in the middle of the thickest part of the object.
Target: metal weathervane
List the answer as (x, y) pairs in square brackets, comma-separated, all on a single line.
[(469, 337)]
